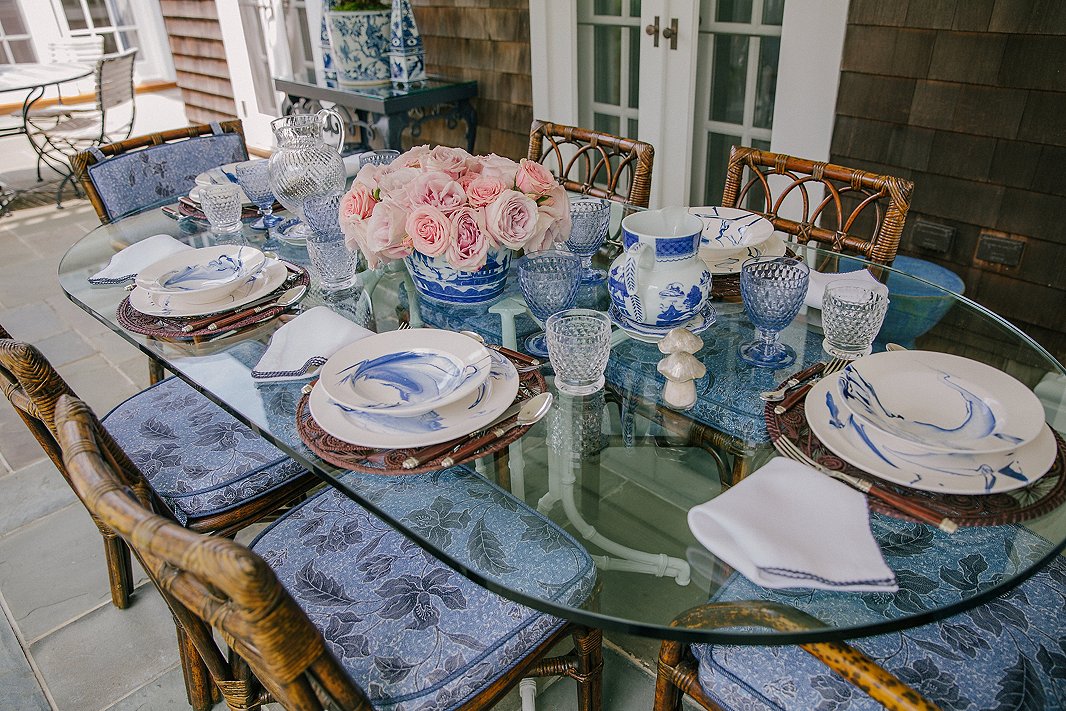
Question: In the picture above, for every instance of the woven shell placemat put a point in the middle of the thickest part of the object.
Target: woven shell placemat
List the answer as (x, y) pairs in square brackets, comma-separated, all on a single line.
[(170, 328), (1042, 496), (390, 461)]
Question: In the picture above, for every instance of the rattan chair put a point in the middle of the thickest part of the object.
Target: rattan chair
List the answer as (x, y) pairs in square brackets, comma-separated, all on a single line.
[(860, 212), (203, 468), (594, 163), (360, 613), (124, 178), (59, 134)]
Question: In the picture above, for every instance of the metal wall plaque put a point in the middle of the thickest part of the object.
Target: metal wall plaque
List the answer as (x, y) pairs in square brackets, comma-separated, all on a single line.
[(1002, 250)]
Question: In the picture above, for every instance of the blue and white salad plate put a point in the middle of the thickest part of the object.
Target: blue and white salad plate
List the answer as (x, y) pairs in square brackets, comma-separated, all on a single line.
[(699, 323), (200, 276), (218, 176), (727, 229), (385, 430), (254, 287), (405, 373), (966, 473), (939, 402)]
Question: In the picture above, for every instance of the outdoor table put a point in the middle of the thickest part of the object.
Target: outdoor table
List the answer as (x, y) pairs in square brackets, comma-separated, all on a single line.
[(616, 468), (399, 108)]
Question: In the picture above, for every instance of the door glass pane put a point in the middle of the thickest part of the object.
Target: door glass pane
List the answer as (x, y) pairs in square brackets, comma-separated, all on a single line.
[(633, 125), (121, 12), (129, 40), (729, 71), (607, 7), (766, 82), (733, 11), (605, 123), (718, 146), (608, 59), (110, 45), (98, 13), (634, 67), (761, 145), (773, 12), (75, 17), (11, 19), (266, 102), (634, 8), (22, 51)]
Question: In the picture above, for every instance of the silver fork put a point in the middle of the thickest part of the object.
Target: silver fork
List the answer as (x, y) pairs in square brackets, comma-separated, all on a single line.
[(833, 366)]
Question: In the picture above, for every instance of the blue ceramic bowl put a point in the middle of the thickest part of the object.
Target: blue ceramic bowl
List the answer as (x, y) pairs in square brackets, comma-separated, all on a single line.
[(914, 308)]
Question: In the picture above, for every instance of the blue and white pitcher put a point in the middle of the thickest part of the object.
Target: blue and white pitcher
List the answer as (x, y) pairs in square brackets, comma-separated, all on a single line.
[(659, 280)]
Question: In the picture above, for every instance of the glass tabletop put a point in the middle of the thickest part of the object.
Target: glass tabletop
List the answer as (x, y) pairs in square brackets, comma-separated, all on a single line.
[(619, 471)]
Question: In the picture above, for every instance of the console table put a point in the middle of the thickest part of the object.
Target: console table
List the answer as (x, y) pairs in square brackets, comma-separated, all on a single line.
[(394, 108)]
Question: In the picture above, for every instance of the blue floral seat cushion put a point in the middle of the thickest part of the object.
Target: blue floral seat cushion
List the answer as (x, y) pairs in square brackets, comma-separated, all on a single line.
[(413, 633), (1009, 653), (198, 458), (131, 182)]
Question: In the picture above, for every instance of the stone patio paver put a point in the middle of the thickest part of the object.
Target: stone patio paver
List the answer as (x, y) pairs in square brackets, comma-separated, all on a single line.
[(31, 493)]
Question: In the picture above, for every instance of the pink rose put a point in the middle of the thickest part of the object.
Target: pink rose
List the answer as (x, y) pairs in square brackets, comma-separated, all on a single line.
[(429, 229), (385, 234), (512, 219), (358, 203), (494, 166), (371, 175), (452, 161), (469, 246), (553, 220), (412, 158), (533, 178), (483, 190), (437, 189), (393, 185)]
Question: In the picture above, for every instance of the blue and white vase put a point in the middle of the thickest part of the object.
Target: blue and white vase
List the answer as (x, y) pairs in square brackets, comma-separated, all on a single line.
[(329, 72), (407, 56), (360, 46), (437, 280), (659, 280)]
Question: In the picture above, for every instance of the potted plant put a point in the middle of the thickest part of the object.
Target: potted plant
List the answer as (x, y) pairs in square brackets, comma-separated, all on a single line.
[(359, 39)]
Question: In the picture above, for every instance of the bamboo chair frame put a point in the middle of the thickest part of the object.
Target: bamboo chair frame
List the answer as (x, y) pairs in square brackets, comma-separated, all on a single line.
[(34, 387), (80, 162), (677, 669), (840, 184), (602, 158), (282, 656)]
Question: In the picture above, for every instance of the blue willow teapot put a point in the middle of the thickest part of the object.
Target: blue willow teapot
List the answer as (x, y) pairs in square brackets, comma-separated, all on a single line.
[(659, 280)]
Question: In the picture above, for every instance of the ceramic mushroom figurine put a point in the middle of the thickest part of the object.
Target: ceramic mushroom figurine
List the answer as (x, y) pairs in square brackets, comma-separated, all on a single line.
[(680, 368)]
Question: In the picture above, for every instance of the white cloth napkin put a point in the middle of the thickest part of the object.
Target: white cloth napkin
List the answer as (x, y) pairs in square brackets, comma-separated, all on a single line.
[(788, 526), (124, 265), (818, 281), (300, 347)]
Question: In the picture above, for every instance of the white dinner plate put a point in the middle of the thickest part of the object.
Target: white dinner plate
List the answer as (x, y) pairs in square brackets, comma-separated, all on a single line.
[(942, 472), (730, 263), (405, 373), (255, 287), (386, 431), (728, 229), (201, 275), (941, 402), (217, 176)]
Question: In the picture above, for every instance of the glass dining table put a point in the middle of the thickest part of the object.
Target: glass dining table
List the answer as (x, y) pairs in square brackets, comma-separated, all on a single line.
[(620, 471)]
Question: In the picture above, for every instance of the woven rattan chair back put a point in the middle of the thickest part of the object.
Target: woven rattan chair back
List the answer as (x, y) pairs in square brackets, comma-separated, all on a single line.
[(33, 387), (860, 213), (594, 163), (223, 583), (161, 174)]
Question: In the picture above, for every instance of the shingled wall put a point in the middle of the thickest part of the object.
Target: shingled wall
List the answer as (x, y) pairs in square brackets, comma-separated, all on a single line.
[(199, 59), (968, 100)]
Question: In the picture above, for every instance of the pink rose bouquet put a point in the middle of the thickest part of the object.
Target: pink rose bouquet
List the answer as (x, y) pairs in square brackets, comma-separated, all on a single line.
[(445, 203)]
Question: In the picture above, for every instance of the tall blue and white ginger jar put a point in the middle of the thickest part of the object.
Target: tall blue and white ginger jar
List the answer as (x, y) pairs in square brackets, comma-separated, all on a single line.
[(659, 280), (329, 73), (407, 56), (360, 46), (437, 280)]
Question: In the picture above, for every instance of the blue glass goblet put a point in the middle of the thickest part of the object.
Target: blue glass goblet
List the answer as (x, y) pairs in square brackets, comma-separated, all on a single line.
[(773, 289), (589, 218), (549, 282), (254, 178)]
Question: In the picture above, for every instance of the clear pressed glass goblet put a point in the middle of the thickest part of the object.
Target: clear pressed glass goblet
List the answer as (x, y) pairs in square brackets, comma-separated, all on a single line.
[(589, 218), (254, 178), (773, 289), (579, 343), (383, 157), (549, 282), (330, 256), (852, 314), (222, 207)]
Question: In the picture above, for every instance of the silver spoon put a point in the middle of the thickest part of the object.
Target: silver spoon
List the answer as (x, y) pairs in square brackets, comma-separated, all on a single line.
[(530, 413), (533, 363)]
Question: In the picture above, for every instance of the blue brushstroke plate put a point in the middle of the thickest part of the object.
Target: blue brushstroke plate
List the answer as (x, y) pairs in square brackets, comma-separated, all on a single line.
[(966, 473), (383, 430), (941, 402), (200, 276), (729, 229), (406, 373)]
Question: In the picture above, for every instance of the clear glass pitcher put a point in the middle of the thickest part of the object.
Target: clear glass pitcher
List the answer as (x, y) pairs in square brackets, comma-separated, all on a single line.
[(304, 164)]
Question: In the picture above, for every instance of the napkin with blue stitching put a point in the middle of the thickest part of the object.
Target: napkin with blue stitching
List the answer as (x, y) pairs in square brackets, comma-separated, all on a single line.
[(789, 526), (299, 348), (125, 265)]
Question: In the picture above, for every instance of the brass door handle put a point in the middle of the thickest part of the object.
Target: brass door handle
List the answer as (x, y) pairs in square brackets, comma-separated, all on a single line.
[(653, 30), (670, 32)]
